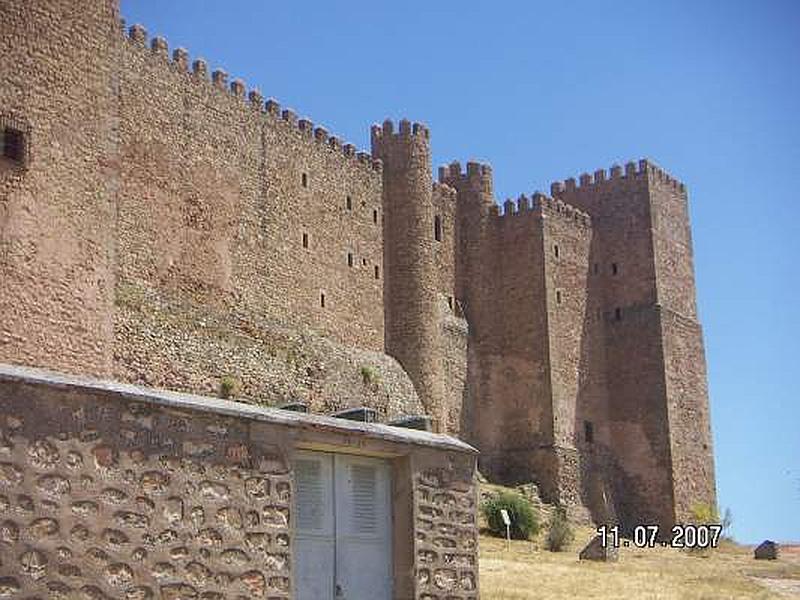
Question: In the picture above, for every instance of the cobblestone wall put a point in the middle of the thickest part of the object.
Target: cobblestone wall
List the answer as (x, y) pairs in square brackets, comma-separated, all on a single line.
[(112, 491), (446, 529), (113, 499)]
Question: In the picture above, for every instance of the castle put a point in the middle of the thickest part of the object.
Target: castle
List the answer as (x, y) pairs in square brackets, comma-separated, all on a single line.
[(160, 224)]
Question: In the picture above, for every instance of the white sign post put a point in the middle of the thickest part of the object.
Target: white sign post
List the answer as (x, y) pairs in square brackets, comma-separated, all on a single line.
[(507, 521)]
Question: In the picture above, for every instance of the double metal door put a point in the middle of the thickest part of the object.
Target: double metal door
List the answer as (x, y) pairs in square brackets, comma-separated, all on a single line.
[(343, 541)]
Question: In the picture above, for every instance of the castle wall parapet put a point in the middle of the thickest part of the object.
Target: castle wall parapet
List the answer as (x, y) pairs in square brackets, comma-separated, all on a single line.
[(219, 79), (539, 204), (614, 175)]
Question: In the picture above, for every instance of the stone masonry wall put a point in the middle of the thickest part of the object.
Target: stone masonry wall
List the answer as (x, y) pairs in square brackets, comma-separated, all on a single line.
[(113, 499), (226, 204), (112, 491), (446, 543), (57, 211)]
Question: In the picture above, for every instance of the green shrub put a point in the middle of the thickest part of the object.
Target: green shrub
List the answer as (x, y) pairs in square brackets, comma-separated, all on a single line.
[(524, 521), (228, 386), (559, 531), (704, 514), (369, 375)]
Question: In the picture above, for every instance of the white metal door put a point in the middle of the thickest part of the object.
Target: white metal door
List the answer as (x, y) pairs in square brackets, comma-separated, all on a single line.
[(315, 530), (363, 529), (343, 527)]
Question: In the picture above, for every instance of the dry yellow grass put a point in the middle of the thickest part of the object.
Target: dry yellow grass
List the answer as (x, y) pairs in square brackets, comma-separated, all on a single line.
[(730, 572)]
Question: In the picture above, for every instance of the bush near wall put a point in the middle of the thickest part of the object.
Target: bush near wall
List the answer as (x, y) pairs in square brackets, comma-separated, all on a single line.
[(524, 520)]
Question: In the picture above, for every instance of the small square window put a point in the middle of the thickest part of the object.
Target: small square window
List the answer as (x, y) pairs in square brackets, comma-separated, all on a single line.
[(377, 272), (349, 203), (13, 145), (305, 180)]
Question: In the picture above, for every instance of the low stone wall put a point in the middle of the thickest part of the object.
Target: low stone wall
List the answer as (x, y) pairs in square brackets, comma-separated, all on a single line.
[(113, 491)]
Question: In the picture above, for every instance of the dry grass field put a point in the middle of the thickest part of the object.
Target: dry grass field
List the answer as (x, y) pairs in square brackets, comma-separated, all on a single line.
[(526, 571)]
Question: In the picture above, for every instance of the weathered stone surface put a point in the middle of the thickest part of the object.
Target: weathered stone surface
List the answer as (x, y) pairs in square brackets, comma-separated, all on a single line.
[(595, 550), (175, 231), (766, 550), (144, 516)]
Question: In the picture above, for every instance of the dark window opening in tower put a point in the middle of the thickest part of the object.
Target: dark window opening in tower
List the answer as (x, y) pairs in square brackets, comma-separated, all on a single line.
[(437, 228), (588, 432), (13, 143)]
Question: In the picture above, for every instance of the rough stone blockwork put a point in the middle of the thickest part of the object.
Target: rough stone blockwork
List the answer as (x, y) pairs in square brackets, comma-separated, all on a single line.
[(113, 491), (163, 225), (126, 500), (446, 542)]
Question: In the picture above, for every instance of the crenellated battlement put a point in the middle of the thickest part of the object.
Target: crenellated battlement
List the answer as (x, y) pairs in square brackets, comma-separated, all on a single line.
[(405, 129), (541, 205), (453, 174), (219, 79), (615, 175)]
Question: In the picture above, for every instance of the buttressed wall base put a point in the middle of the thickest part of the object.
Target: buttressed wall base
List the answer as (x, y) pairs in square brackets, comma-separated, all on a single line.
[(168, 227)]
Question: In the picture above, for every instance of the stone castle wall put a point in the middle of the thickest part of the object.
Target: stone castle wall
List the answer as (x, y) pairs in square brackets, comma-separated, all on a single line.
[(170, 228)]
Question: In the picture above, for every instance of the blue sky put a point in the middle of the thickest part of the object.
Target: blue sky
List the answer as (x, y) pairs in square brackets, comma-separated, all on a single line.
[(547, 90)]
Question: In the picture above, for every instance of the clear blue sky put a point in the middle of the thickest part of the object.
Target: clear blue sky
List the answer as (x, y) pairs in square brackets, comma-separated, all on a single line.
[(547, 90)]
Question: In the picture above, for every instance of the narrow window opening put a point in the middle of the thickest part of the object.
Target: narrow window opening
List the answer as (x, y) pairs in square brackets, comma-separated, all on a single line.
[(375, 216), (558, 296), (555, 250), (364, 262), (349, 203), (349, 259), (588, 432), (305, 180), (596, 268), (437, 228), (377, 272), (322, 299), (14, 145), (305, 240), (618, 314), (450, 302), (614, 269)]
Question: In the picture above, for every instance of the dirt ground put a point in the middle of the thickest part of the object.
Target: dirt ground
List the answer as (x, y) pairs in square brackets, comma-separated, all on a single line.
[(526, 571)]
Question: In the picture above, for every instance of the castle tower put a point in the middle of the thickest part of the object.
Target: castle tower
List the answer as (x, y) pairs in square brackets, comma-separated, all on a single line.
[(474, 251), (410, 291), (642, 271), (57, 182)]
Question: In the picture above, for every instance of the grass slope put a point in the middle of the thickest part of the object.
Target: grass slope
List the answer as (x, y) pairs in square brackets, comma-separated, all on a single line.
[(527, 571)]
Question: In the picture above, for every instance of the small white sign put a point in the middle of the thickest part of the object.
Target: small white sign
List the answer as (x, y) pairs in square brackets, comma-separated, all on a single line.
[(506, 518)]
